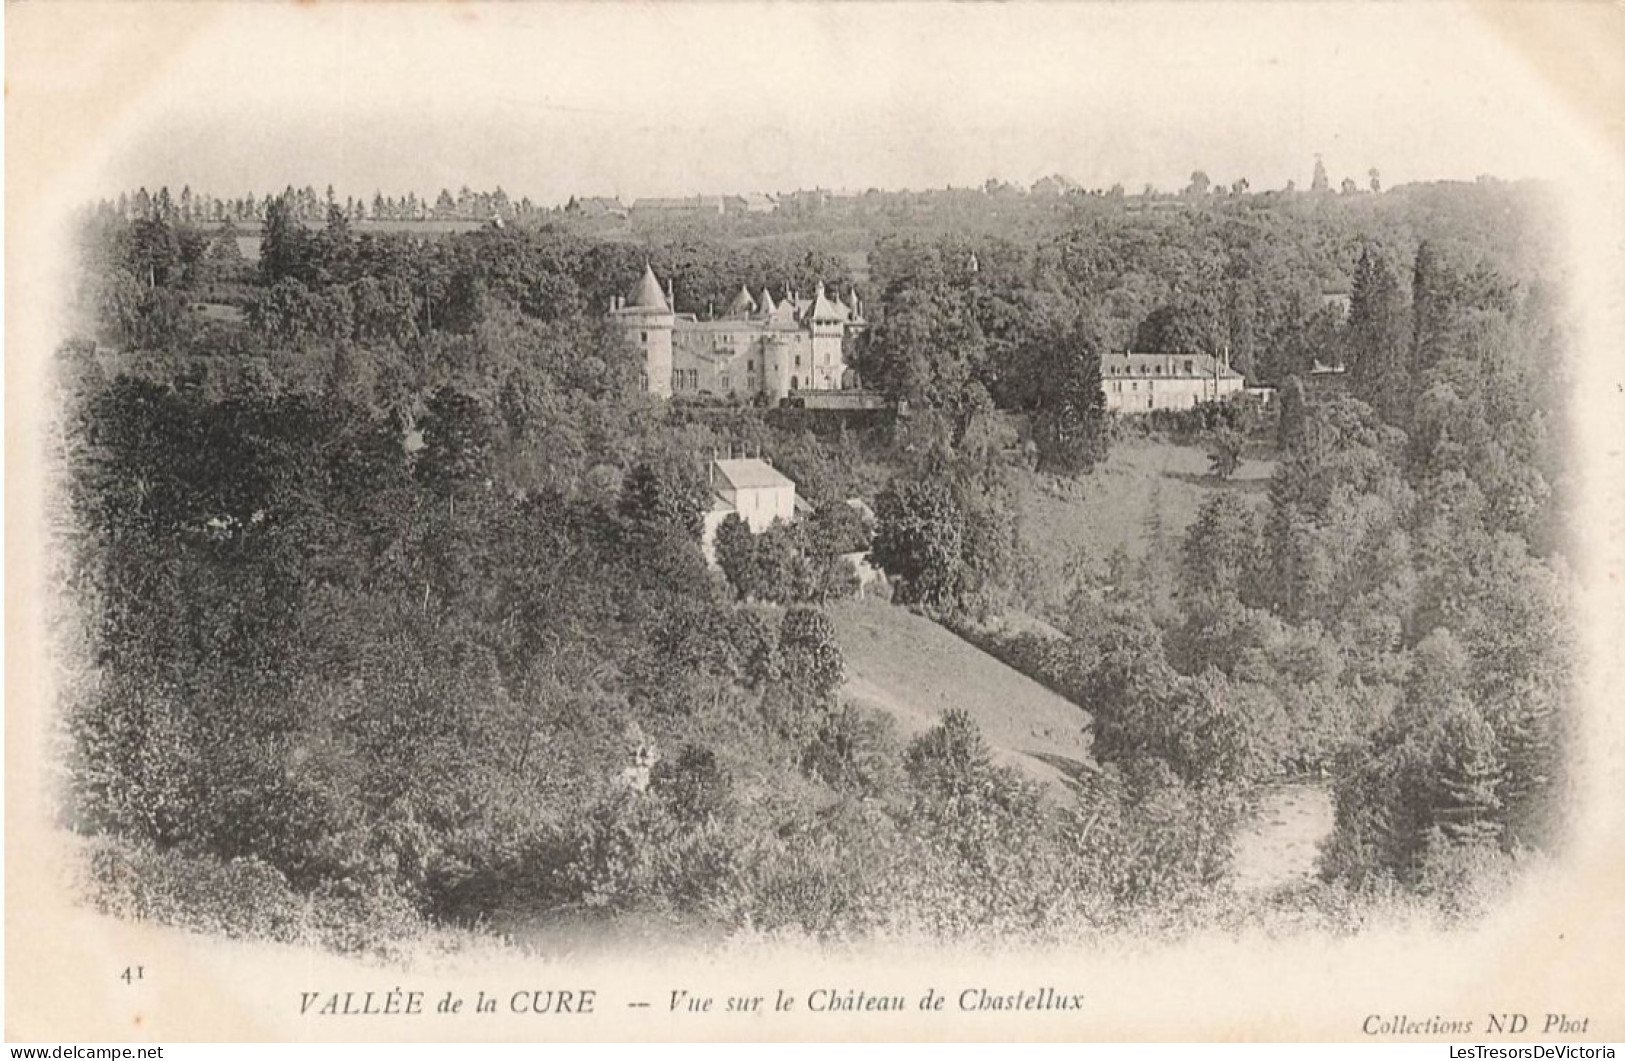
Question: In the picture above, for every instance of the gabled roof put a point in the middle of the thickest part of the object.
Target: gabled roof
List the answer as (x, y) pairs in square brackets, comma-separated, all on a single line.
[(751, 474), (647, 295), (785, 310)]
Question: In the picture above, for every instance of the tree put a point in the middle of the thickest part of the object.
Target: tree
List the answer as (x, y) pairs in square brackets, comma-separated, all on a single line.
[(666, 493), (285, 247), (154, 254), (1070, 423), (1199, 184), (1379, 343), (1220, 550), (1320, 183), (926, 350), (1292, 425), (810, 654), (1225, 455), (1187, 325), (736, 555), (458, 443), (919, 540)]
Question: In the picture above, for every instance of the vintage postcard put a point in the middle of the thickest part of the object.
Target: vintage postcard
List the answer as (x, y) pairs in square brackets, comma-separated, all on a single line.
[(735, 521)]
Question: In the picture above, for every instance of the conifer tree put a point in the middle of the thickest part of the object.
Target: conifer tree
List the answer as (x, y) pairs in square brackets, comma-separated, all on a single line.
[(1378, 341)]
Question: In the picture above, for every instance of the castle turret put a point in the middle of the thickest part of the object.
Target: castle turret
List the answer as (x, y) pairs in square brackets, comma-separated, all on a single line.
[(648, 320), (826, 323)]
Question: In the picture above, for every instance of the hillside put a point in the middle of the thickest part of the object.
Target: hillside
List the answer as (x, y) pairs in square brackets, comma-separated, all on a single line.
[(1110, 508), (914, 670)]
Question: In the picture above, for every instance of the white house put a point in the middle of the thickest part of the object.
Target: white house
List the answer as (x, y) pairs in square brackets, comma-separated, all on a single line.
[(751, 488), (1137, 383)]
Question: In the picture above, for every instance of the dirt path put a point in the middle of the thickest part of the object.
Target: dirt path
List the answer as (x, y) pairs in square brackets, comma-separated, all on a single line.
[(1279, 843)]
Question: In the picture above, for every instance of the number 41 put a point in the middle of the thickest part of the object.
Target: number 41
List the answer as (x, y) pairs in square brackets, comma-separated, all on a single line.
[(131, 974)]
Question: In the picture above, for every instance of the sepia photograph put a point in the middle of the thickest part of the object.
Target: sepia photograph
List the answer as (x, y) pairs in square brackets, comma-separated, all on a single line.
[(820, 521)]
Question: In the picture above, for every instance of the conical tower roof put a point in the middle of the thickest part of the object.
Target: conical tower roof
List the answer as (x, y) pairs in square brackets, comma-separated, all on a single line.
[(765, 303), (647, 295), (742, 304)]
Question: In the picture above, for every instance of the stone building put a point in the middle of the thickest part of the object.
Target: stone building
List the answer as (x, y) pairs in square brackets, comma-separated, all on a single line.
[(758, 346), (1139, 383)]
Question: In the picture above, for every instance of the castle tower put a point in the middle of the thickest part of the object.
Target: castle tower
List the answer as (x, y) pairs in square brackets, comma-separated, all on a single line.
[(648, 320), (826, 321)]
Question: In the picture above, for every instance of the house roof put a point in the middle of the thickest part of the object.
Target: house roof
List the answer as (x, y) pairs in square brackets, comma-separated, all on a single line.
[(721, 326), (862, 508), (748, 473), (1137, 364)]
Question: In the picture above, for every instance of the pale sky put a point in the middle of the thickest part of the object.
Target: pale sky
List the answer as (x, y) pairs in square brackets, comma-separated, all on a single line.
[(549, 100)]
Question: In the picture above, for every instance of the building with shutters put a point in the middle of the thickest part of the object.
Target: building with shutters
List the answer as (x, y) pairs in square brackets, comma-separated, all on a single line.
[(1140, 383)]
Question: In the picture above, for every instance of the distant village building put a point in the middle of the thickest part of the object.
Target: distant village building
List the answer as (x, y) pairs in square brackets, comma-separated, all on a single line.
[(753, 490), (749, 203), (758, 346), (597, 206), (1141, 383)]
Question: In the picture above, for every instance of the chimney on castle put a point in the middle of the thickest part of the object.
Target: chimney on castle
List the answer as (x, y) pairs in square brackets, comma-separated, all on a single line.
[(671, 297)]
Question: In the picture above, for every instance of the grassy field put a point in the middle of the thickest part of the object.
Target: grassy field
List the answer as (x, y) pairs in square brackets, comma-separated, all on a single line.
[(1110, 508), (914, 670)]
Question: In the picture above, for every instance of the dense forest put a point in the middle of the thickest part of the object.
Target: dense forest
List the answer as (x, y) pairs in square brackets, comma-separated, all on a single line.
[(389, 617)]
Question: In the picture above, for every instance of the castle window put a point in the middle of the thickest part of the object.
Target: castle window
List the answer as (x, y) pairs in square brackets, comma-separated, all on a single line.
[(798, 360), (643, 337), (1190, 367), (1159, 370), (1134, 386)]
